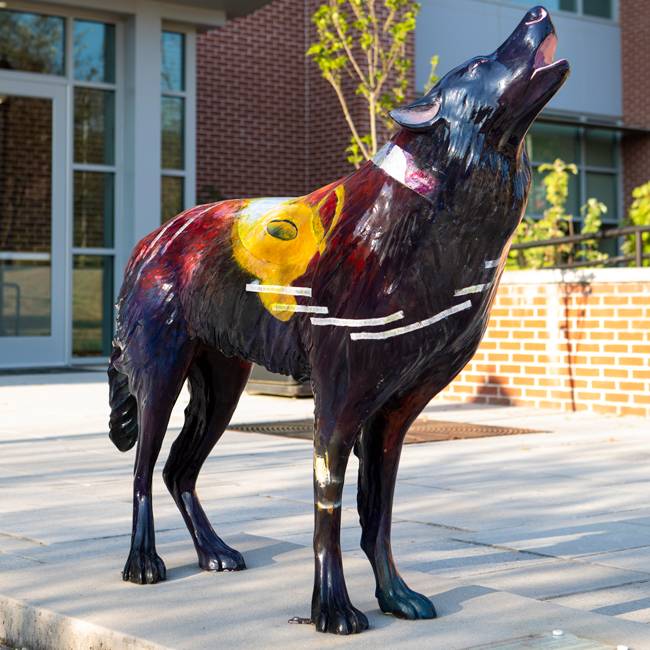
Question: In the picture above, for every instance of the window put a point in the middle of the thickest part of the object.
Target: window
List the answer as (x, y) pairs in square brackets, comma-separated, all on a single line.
[(595, 154), (32, 42), (173, 105), (597, 8), (94, 170)]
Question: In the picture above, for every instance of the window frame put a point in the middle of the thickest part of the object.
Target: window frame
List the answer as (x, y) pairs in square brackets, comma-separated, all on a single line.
[(583, 169), (573, 14), (68, 82), (188, 173)]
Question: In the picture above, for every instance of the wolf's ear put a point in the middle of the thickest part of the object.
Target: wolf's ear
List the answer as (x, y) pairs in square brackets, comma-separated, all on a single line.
[(418, 116)]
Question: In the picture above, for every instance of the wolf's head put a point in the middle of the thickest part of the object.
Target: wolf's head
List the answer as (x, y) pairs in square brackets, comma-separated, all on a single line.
[(498, 95)]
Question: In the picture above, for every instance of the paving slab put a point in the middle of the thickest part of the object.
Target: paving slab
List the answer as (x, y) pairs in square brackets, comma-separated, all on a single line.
[(510, 537), (631, 602)]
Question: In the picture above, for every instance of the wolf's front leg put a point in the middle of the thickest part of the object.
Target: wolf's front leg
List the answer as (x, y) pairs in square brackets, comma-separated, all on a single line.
[(331, 609), (379, 448)]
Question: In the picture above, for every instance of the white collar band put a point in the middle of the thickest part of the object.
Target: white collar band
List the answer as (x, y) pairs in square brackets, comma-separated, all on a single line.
[(400, 165)]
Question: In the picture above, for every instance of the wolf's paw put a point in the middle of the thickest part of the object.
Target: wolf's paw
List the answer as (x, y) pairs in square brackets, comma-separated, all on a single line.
[(340, 619), (221, 558), (402, 602), (144, 568)]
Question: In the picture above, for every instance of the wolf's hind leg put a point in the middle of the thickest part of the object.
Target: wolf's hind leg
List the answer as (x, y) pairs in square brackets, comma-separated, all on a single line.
[(156, 396), (378, 449), (215, 383)]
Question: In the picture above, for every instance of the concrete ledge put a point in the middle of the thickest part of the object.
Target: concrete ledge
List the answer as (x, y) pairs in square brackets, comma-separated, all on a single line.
[(577, 276), (35, 628)]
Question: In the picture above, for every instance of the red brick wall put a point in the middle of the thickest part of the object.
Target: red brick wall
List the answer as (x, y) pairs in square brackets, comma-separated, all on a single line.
[(268, 124), (634, 17), (581, 345)]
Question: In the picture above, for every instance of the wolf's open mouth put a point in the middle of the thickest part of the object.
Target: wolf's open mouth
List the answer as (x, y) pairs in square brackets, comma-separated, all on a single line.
[(544, 55)]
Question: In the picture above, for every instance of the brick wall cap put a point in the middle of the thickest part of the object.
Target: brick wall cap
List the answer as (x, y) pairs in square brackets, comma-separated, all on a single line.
[(577, 276)]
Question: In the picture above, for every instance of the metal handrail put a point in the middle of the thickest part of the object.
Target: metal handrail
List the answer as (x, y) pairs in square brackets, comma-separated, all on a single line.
[(601, 234)]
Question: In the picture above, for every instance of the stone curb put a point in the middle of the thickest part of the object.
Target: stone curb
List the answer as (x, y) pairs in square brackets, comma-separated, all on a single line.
[(24, 626)]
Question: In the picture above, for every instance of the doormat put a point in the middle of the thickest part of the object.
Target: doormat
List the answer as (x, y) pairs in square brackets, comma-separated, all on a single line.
[(421, 430)]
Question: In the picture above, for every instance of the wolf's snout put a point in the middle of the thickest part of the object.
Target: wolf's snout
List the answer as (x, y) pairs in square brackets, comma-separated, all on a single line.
[(535, 15), (544, 55)]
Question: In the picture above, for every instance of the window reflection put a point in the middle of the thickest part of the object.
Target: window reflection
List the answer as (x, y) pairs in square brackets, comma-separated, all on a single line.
[(32, 42), (25, 174), (599, 8), (94, 126), (171, 202), (92, 305), (93, 209), (600, 149), (594, 152), (94, 51), (172, 132), (25, 298), (545, 143), (564, 5), (173, 63)]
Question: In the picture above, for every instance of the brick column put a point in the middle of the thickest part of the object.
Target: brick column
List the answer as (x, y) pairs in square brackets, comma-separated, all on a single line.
[(634, 18)]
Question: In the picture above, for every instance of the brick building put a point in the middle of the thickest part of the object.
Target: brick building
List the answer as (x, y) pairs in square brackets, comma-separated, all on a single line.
[(268, 123), (256, 87), (155, 106)]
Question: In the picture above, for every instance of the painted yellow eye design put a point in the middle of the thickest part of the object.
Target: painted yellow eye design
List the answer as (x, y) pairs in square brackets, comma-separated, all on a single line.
[(275, 240), (282, 229)]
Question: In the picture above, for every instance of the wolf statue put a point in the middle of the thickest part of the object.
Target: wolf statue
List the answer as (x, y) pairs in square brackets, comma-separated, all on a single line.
[(376, 288)]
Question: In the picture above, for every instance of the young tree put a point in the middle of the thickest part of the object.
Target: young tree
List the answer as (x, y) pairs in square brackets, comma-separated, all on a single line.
[(639, 215), (557, 223), (367, 42)]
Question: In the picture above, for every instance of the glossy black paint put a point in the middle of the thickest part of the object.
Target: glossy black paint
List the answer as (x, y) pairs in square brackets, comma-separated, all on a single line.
[(435, 253)]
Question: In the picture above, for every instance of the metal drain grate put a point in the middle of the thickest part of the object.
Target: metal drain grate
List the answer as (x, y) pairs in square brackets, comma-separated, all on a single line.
[(421, 430)]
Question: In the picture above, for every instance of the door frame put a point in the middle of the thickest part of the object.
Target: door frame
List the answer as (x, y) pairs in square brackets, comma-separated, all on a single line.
[(53, 350)]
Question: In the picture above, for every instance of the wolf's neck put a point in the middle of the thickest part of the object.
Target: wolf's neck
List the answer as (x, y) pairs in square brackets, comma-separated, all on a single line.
[(400, 165)]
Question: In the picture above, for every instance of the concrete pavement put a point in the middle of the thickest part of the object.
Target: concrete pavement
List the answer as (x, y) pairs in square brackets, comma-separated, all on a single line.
[(510, 537)]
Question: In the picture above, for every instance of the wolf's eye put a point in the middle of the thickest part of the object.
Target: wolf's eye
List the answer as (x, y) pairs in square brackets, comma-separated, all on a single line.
[(282, 229)]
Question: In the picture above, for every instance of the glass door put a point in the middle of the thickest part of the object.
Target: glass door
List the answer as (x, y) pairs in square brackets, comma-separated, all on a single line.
[(33, 245)]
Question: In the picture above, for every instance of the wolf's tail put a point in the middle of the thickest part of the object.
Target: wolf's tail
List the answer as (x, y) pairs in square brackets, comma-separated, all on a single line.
[(123, 424)]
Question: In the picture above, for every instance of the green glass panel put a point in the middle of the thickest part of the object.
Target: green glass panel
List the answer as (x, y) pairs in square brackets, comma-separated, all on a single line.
[(94, 51), (603, 188), (32, 42), (546, 143), (92, 305), (94, 126), (171, 202), (25, 174), (172, 132), (25, 298), (568, 5), (537, 203), (93, 209), (565, 5), (173, 61), (600, 147), (598, 8)]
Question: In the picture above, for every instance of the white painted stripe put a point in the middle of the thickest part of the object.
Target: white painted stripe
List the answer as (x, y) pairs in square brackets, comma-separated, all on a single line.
[(28, 257), (275, 288), (356, 336), (358, 322), (300, 308), (395, 164), (475, 288), (492, 264)]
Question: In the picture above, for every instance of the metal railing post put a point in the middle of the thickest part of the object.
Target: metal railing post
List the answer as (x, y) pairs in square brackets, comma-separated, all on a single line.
[(638, 248)]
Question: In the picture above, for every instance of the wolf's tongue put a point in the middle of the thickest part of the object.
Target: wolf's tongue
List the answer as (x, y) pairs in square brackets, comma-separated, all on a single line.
[(545, 52)]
